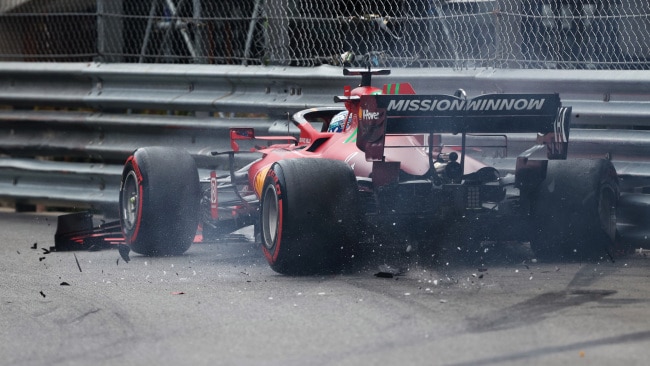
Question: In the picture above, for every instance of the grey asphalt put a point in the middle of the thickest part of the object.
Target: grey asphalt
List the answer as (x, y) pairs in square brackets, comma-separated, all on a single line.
[(220, 304)]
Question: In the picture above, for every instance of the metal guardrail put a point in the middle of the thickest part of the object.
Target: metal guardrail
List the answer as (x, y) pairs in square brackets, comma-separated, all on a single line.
[(91, 112), (60, 184), (598, 97), (111, 137)]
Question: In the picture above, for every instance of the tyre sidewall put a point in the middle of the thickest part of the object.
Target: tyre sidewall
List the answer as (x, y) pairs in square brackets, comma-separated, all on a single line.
[(131, 232), (168, 201), (317, 216), (274, 182)]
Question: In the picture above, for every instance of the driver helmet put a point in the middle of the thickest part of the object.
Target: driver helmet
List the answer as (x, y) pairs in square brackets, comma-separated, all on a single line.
[(337, 124)]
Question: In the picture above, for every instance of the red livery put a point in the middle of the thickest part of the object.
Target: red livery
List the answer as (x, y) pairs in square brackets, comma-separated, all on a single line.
[(317, 199)]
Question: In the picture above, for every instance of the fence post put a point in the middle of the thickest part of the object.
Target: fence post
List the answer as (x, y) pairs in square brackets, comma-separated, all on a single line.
[(109, 31), (199, 43), (278, 32)]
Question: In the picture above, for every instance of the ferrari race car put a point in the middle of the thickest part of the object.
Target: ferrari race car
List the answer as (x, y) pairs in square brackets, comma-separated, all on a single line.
[(317, 199)]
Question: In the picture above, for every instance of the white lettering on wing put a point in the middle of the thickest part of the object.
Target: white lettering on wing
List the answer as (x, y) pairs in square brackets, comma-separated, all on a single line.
[(494, 104), (369, 115)]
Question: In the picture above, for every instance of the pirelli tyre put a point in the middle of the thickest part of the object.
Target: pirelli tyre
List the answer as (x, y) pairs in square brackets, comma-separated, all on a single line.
[(574, 210), (159, 201), (309, 216)]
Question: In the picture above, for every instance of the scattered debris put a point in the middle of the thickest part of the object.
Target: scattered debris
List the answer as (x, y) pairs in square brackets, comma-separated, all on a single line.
[(124, 252), (65, 284), (178, 293), (482, 269), (42, 294), (77, 260), (45, 251), (41, 259), (34, 246), (386, 271)]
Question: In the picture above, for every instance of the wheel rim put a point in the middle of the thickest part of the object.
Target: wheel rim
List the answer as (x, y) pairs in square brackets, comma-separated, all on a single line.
[(270, 216), (130, 199)]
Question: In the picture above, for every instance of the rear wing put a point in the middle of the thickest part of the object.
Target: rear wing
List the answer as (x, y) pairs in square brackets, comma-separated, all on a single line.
[(380, 115)]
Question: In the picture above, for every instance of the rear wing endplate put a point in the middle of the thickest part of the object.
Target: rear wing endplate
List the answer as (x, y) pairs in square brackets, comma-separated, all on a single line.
[(380, 115)]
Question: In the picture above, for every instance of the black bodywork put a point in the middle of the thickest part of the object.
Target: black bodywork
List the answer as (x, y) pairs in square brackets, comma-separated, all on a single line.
[(481, 204)]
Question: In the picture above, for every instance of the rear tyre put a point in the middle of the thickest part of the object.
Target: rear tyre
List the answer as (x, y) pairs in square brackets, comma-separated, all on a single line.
[(159, 201), (309, 216), (574, 210)]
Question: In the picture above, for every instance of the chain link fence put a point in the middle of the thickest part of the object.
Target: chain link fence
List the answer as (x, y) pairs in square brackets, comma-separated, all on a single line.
[(534, 34)]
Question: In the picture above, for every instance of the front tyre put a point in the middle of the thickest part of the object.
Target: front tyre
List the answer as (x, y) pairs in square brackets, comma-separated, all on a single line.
[(309, 216), (159, 201)]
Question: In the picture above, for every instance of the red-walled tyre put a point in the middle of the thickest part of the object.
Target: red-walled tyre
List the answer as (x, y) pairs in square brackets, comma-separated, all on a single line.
[(159, 201), (309, 216), (574, 210)]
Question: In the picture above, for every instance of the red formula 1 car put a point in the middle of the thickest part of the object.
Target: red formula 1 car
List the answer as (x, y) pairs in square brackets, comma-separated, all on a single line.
[(377, 168)]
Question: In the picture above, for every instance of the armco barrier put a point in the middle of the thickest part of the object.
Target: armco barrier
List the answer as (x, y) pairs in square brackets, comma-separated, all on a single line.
[(599, 97), (66, 128)]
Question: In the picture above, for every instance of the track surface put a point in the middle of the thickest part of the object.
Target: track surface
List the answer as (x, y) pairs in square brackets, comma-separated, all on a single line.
[(220, 304)]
